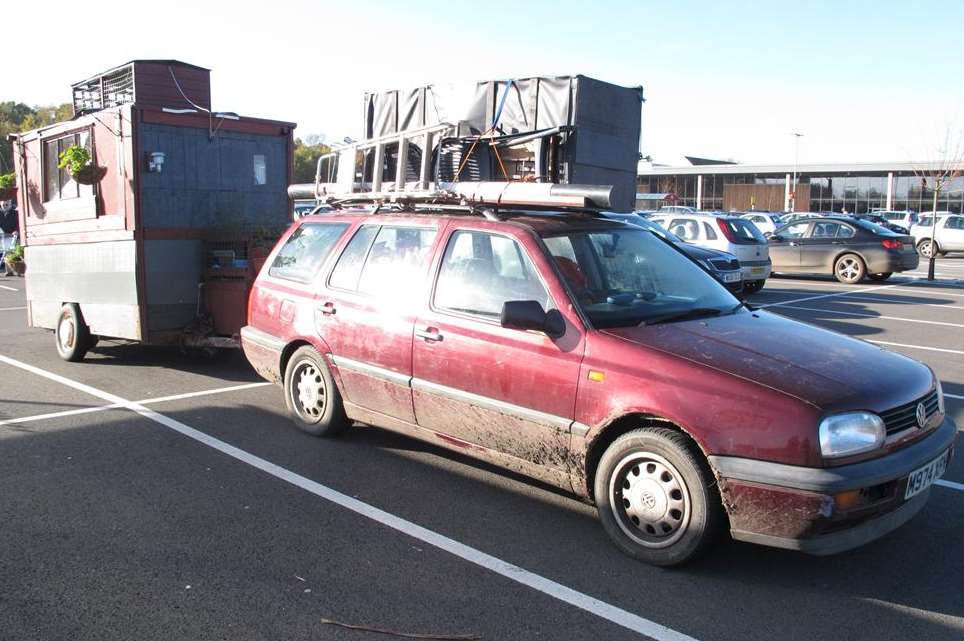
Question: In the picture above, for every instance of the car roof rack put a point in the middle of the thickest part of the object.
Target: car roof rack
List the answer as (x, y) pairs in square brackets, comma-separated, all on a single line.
[(345, 176)]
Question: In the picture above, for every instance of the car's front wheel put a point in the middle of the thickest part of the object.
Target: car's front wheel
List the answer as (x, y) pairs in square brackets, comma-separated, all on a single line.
[(879, 277), (849, 269), (311, 394), (656, 497)]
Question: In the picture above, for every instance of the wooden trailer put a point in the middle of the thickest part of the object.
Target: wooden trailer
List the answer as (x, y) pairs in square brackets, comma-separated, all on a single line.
[(184, 207)]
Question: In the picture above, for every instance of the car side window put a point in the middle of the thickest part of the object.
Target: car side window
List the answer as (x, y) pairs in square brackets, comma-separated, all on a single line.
[(955, 222), (710, 234), (480, 271), (685, 228), (347, 270), (845, 231), (397, 260), (302, 255), (824, 230), (796, 230)]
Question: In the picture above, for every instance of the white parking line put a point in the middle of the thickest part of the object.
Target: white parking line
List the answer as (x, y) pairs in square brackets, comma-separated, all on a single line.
[(929, 349), (873, 298), (9, 288), (10, 309), (847, 293), (858, 314), (950, 484), (515, 573), (113, 406)]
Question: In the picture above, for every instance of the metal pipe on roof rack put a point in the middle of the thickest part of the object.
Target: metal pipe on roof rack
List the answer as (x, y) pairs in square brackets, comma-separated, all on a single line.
[(512, 141)]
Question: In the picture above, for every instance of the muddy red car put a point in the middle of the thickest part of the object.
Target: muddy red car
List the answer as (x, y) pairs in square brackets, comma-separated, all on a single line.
[(596, 357)]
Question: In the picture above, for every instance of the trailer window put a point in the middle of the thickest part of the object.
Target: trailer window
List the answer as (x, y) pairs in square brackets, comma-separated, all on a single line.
[(260, 170), (305, 251), (58, 184)]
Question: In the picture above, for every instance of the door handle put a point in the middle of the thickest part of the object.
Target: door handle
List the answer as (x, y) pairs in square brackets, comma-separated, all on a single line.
[(429, 333), (327, 309), (792, 244)]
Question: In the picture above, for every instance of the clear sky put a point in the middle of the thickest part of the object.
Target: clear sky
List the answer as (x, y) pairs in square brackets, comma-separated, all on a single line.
[(863, 81)]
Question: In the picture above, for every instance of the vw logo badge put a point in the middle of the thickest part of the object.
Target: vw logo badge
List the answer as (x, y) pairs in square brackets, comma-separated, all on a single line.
[(648, 500), (921, 415)]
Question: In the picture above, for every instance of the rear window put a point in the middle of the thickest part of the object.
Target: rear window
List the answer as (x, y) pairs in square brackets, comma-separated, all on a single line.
[(741, 232), (306, 250), (874, 228)]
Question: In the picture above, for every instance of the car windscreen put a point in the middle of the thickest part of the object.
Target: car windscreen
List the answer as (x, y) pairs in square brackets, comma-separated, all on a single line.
[(874, 228), (629, 277), (741, 232)]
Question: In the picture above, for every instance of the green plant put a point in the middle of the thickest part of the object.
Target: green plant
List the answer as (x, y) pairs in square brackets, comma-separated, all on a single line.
[(15, 255), (8, 180), (74, 159)]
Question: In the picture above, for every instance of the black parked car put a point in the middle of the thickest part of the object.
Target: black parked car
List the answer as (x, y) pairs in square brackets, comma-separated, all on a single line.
[(846, 247), (877, 219), (725, 267)]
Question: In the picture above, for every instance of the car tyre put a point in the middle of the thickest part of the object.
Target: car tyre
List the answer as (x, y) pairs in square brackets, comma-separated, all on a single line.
[(753, 286), (849, 269), (880, 277), (657, 498), (924, 247), (311, 395), (71, 333)]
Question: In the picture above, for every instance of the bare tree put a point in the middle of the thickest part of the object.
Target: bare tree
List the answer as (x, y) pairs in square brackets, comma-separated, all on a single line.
[(940, 176)]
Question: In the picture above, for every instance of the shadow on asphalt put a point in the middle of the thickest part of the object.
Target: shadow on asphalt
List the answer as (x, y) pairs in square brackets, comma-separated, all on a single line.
[(229, 364)]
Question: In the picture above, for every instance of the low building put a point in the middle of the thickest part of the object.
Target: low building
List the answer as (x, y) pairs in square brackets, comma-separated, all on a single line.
[(837, 187)]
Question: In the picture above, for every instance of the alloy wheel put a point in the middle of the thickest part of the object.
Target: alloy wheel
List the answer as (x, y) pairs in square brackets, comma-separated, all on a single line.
[(848, 268)]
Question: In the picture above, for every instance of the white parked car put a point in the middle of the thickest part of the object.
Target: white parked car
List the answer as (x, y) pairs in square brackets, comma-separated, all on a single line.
[(677, 209), (905, 219), (766, 221), (948, 235), (727, 233)]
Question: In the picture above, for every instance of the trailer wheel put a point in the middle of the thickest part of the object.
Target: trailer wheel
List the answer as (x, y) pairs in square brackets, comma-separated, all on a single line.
[(312, 396), (72, 333)]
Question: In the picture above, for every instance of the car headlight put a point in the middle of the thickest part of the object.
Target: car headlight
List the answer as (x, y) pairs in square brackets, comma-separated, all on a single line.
[(940, 398), (851, 433)]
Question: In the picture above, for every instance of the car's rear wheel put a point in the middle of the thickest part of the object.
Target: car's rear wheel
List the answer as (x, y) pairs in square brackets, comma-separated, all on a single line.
[(656, 497), (753, 286), (849, 269), (311, 394), (72, 334), (883, 276), (925, 248)]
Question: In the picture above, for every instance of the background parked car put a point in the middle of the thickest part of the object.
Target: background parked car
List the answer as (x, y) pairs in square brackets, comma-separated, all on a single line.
[(727, 233), (878, 219), (677, 209), (843, 246), (905, 218), (724, 266), (766, 221), (948, 235)]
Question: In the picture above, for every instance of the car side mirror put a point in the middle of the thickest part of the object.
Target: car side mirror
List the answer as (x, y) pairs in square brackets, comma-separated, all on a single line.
[(529, 314)]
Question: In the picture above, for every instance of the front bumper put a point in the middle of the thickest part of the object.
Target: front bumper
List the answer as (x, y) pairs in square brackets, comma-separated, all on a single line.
[(794, 507)]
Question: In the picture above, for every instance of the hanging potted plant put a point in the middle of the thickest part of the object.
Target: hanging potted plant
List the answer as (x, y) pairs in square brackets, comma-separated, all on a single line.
[(14, 260), (8, 186), (78, 162)]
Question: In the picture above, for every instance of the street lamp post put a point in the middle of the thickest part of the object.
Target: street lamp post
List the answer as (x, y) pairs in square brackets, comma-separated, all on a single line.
[(796, 158)]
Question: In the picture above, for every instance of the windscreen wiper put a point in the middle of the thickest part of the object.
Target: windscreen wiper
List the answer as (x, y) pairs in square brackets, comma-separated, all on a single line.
[(696, 312)]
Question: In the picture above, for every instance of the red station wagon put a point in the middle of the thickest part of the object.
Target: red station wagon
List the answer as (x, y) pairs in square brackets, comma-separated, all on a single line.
[(597, 357)]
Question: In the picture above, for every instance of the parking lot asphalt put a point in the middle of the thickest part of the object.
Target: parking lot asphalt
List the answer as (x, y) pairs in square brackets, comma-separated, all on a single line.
[(193, 509)]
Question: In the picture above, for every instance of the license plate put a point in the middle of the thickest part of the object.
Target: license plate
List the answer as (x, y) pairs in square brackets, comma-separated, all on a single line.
[(732, 278), (922, 478), (757, 271)]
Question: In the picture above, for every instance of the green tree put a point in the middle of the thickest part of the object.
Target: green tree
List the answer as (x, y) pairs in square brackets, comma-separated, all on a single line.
[(306, 158), (17, 116)]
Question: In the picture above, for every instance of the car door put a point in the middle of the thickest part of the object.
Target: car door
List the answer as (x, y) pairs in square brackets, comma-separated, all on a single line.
[(366, 313), (785, 246), (821, 243), (951, 237), (481, 384)]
